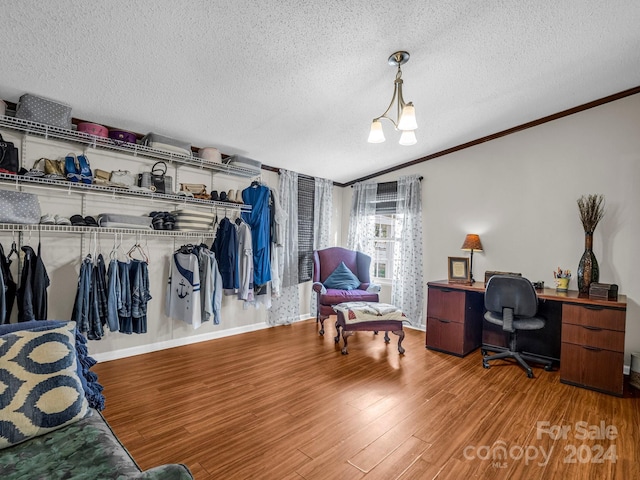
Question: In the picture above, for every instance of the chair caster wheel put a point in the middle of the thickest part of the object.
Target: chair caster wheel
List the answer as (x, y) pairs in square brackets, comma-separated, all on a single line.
[(485, 364), (530, 374), (321, 332), (483, 352), (548, 368)]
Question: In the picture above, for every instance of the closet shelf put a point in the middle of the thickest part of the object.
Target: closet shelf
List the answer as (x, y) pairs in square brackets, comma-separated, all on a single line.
[(77, 187), (102, 230), (48, 131)]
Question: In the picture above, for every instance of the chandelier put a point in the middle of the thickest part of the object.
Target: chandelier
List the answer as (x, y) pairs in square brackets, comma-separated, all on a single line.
[(405, 112)]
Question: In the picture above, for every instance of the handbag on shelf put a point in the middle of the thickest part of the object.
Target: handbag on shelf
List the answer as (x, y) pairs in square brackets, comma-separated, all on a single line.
[(42, 110), (157, 179), (122, 178), (19, 207), (54, 169), (8, 157)]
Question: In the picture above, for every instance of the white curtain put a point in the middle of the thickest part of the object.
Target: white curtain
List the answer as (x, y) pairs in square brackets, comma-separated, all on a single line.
[(407, 291), (322, 211), (362, 221), (285, 309)]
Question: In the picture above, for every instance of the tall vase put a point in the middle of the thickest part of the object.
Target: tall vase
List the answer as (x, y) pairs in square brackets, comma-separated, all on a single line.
[(588, 271)]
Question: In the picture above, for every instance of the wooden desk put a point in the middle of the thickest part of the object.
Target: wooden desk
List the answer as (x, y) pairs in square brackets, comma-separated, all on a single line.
[(585, 336)]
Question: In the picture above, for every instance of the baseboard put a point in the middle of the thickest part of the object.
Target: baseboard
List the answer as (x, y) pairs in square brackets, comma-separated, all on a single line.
[(180, 342)]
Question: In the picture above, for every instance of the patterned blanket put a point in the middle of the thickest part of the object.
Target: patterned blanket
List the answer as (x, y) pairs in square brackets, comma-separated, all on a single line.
[(356, 312)]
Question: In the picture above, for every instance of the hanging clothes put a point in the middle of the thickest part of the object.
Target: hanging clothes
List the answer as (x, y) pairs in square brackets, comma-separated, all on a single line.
[(225, 248), (245, 261), (216, 281), (258, 219), (182, 300), (114, 295), (140, 295), (32, 294), (206, 284), (10, 287), (124, 313), (85, 306), (100, 285)]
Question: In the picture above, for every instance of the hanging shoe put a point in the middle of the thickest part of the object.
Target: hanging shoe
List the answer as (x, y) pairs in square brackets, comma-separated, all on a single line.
[(85, 169), (71, 169)]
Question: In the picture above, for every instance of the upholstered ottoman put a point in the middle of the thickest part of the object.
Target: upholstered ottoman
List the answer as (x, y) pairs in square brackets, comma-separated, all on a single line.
[(371, 317)]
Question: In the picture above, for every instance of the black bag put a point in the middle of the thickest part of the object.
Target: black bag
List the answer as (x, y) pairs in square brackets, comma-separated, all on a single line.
[(156, 180), (8, 157)]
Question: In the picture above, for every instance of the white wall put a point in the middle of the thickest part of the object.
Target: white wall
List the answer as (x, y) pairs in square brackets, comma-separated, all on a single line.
[(519, 194)]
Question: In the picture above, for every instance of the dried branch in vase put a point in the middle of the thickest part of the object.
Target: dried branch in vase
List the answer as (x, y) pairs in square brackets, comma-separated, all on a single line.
[(591, 211)]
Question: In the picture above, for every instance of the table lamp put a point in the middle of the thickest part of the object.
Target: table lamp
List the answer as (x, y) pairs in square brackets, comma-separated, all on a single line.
[(471, 243)]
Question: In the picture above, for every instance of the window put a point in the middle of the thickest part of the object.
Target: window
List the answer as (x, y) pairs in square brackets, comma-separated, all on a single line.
[(385, 232), (306, 194)]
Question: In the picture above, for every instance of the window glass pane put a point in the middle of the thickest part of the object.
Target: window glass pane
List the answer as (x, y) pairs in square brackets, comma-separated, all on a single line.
[(384, 242)]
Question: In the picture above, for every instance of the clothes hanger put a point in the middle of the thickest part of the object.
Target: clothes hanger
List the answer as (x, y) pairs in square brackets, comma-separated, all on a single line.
[(113, 255), (187, 248), (14, 249)]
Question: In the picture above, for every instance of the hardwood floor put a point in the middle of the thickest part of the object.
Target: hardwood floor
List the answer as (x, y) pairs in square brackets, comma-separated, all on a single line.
[(283, 403)]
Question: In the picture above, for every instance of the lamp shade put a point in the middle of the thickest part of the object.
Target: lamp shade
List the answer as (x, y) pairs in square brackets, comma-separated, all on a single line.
[(408, 137), (472, 243), (376, 135), (408, 118)]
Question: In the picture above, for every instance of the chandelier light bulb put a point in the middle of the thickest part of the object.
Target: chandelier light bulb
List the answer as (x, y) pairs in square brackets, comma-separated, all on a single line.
[(408, 137), (376, 135), (408, 118)]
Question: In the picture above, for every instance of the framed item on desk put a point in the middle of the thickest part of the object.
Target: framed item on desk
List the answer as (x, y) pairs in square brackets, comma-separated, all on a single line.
[(459, 270)]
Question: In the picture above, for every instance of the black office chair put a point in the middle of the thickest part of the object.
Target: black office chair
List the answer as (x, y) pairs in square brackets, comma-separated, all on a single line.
[(511, 302)]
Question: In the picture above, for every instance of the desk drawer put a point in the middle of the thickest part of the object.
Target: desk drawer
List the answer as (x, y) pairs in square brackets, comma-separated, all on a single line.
[(593, 337), (592, 368), (445, 336), (594, 316), (446, 304)]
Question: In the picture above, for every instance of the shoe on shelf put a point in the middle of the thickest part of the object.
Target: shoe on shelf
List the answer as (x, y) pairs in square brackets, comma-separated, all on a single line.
[(85, 170), (239, 197), (78, 221), (90, 221), (60, 220), (71, 169), (47, 219), (214, 195)]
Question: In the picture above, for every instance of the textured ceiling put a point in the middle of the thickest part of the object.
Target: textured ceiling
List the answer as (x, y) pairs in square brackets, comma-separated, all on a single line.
[(295, 84)]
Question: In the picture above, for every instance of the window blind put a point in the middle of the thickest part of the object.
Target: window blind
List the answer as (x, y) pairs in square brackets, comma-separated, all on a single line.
[(306, 194), (386, 197)]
